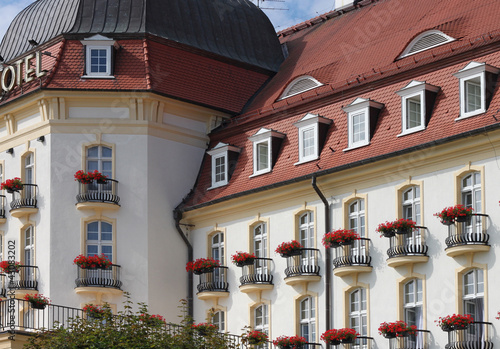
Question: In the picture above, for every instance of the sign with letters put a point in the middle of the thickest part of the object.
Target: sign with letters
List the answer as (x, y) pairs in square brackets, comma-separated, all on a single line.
[(22, 71)]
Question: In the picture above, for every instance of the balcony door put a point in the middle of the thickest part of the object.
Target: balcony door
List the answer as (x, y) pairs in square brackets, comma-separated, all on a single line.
[(471, 197), (28, 273), (306, 229), (411, 211), (358, 315), (29, 166), (218, 254), (260, 248), (357, 224), (100, 158), (413, 298), (308, 319)]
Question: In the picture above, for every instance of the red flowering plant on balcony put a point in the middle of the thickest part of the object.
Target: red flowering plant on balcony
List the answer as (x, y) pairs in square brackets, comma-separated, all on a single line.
[(459, 213), (287, 249), (92, 262), (37, 301), (9, 266), (403, 226), (95, 311), (339, 237), (243, 258), (396, 329), (12, 185), (498, 316), (256, 337), (86, 178), (204, 328), (293, 342), (386, 229), (454, 322), (344, 335), (152, 320), (202, 265)]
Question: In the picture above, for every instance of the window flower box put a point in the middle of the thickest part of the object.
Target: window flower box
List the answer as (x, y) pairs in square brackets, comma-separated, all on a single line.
[(343, 335), (287, 249), (285, 342), (243, 258), (202, 265), (152, 320), (9, 267), (396, 329), (458, 213), (92, 262), (204, 328), (256, 337), (37, 301), (87, 178), (455, 322), (403, 226), (12, 185), (94, 311), (386, 229), (340, 237)]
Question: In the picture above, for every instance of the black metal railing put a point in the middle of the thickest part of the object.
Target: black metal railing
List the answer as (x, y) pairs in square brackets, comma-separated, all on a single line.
[(409, 244), (25, 197), (99, 277), (3, 284), (215, 280), (471, 232), (357, 254), (304, 264), (476, 336), (420, 340), (25, 279), (2, 206), (99, 192), (257, 273)]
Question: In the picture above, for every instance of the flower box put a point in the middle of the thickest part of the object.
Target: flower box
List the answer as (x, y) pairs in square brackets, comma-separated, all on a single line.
[(204, 328), (455, 322), (152, 320), (342, 335), (202, 265), (340, 237), (457, 213), (403, 226), (87, 178), (386, 229), (12, 185), (396, 329), (94, 311), (243, 258), (285, 342), (256, 337), (7, 267), (92, 262), (287, 249), (37, 301)]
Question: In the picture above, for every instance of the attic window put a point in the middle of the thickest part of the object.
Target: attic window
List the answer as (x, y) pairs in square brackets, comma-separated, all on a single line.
[(425, 41), (99, 51), (299, 85), (224, 158)]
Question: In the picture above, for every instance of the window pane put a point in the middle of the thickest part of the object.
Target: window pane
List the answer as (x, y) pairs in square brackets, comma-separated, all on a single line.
[(413, 112), (473, 94), (262, 156), (308, 142), (358, 127)]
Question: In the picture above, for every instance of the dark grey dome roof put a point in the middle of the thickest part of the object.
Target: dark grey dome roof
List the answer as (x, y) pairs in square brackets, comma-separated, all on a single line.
[(236, 29)]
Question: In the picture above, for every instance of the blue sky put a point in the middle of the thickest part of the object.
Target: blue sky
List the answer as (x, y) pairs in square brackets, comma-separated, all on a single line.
[(297, 11)]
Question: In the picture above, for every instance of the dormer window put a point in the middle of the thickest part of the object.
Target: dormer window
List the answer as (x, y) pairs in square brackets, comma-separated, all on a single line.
[(426, 41), (299, 85), (98, 57), (417, 102), (477, 82), (312, 135), (266, 145), (224, 158), (362, 117)]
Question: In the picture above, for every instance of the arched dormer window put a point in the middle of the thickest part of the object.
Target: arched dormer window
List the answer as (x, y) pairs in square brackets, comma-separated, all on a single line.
[(425, 41), (299, 85)]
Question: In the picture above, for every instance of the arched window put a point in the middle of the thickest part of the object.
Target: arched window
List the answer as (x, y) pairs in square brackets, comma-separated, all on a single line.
[(425, 41), (357, 217), (100, 158), (299, 85), (261, 320), (473, 294), (358, 312), (308, 319), (411, 204), (218, 319), (100, 239), (306, 229)]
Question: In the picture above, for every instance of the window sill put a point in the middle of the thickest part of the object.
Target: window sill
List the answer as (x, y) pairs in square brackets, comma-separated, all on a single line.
[(303, 161), (259, 173), (97, 77), (356, 146), (471, 114), (410, 131), (214, 186)]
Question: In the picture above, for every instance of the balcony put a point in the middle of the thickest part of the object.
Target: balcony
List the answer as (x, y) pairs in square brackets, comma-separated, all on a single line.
[(352, 259), (257, 276), (99, 280), (25, 279), (468, 237), (213, 285), (476, 336), (2, 209), (24, 201), (102, 196), (408, 249), (302, 268), (418, 341)]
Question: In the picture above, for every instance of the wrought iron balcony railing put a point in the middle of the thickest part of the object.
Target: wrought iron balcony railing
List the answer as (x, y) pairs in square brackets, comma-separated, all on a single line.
[(257, 273), (25, 279), (418, 341), (410, 244), (357, 254), (106, 192), (2, 206), (214, 281), (99, 277), (476, 336), (471, 232), (304, 264), (25, 197)]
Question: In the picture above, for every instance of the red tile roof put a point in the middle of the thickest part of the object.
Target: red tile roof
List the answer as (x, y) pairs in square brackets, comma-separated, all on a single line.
[(355, 55)]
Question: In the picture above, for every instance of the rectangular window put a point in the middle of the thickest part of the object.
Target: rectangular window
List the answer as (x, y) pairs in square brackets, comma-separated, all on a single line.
[(220, 169), (358, 128), (308, 142), (473, 95), (413, 112), (98, 61), (262, 161)]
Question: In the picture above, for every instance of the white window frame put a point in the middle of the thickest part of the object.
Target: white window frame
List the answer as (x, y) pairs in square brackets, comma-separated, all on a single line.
[(411, 90), (219, 320), (100, 242), (471, 71), (358, 312), (307, 123), (308, 306), (415, 303), (264, 323), (476, 294), (292, 84), (358, 216), (357, 107), (98, 42), (419, 37), (264, 135), (221, 150)]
